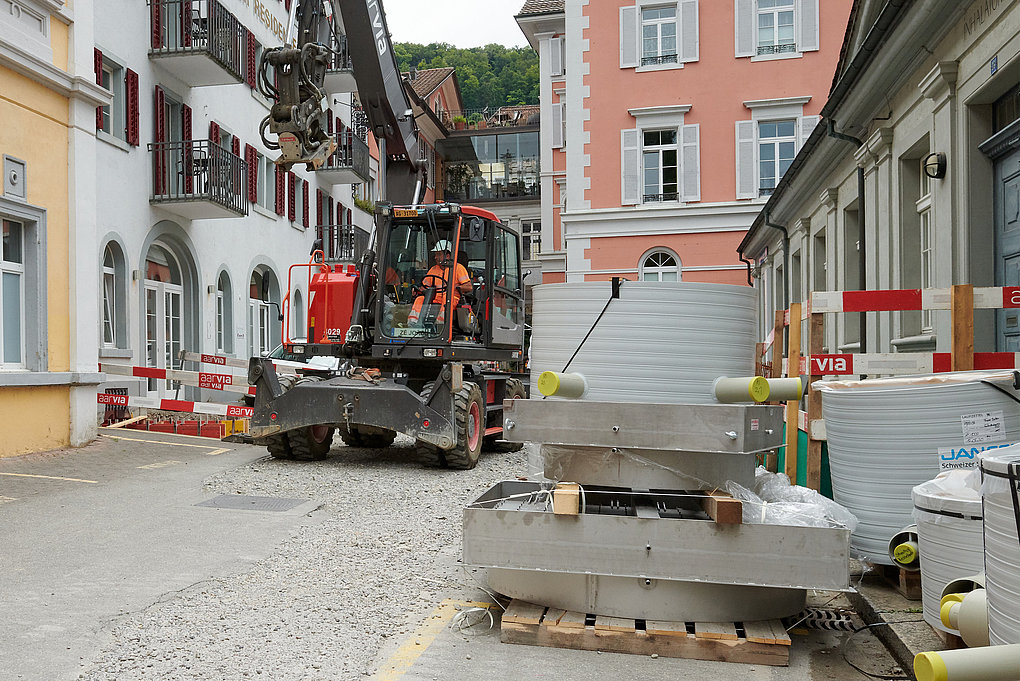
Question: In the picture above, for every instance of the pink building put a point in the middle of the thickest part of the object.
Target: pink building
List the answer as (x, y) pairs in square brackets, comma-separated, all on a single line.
[(666, 125)]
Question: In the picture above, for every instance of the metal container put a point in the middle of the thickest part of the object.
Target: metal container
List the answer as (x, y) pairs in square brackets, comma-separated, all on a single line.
[(1000, 492), (949, 537), (886, 436), (657, 343)]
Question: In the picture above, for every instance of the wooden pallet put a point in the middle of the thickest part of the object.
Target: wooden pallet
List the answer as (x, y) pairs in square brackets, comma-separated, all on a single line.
[(749, 642), (906, 583)]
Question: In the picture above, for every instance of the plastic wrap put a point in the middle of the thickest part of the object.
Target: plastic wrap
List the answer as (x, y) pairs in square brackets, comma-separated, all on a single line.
[(774, 501)]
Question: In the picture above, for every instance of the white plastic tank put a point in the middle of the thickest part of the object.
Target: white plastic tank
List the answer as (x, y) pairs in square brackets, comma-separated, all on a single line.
[(1000, 490), (659, 342), (949, 534), (885, 436)]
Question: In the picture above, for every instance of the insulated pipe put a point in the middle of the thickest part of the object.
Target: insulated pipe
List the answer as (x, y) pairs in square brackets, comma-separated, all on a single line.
[(570, 385), (991, 663), (968, 615), (785, 389), (744, 389)]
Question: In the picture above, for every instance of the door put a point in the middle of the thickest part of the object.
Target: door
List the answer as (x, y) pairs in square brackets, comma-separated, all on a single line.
[(163, 303), (1007, 245), (507, 299)]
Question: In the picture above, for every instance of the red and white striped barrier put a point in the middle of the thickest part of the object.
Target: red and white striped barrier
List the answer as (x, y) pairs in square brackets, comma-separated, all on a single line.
[(229, 410), (231, 362), (986, 298), (899, 363), (200, 379)]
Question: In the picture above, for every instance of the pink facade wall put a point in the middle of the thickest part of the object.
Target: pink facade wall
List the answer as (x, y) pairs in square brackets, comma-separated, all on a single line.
[(695, 250)]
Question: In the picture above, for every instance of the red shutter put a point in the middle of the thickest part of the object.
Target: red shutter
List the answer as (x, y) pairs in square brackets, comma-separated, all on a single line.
[(251, 159), (350, 216), (329, 124), (160, 158), (131, 129), (156, 22), (291, 196), (281, 190), (286, 4), (186, 23), (214, 131), (329, 210), (252, 65), (98, 65), (318, 206), (189, 180), (235, 146), (186, 122), (304, 203)]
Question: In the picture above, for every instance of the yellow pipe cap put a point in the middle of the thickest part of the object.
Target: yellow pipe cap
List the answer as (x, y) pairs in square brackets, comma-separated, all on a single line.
[(758, 389), (930, 667), (905, 553), (548, 383), (946, 606)]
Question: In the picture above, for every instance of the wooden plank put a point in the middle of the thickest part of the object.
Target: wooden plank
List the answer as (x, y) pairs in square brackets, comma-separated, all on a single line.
[(552, 617), (759, 632), (961, 304), (522, 612), (666, 628), (723, 508), (127, 422), (780, 633), (816, 344), (571, 620), (793, 406), (606, 623), (724, 631)]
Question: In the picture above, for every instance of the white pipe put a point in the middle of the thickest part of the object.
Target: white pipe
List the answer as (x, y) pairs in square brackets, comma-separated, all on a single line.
[(553, 383), (967, 614), (785, 389), (992, 663), (744, 389)]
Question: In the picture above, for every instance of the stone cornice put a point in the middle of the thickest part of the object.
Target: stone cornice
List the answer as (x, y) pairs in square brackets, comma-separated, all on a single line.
[(73, 87), (940, 82), (828, 198)]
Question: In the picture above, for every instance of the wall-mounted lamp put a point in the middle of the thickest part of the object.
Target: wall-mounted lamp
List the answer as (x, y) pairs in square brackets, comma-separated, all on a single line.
[(935, 165), (210, 289), (136, 275)]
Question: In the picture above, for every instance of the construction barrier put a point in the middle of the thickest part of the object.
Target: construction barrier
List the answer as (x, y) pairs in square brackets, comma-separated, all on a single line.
[(200, 379), (211, 408), (230, 362)]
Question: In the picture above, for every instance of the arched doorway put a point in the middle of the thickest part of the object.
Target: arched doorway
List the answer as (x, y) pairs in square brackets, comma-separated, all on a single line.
[(263, 311), (164, 306)]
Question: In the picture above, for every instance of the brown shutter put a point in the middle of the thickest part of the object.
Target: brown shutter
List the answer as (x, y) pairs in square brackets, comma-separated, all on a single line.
[(281, 191), (214, 131), (186, 23), (252, 74), (131, 127), (251, 159), (189, 180), (291, 196), (156, 24), (160, 155), (235, 146), (304, 203), (318, 206), (329, 210), (98, 65)]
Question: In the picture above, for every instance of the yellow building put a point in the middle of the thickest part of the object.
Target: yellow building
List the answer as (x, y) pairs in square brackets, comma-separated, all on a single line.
[(48, 268)]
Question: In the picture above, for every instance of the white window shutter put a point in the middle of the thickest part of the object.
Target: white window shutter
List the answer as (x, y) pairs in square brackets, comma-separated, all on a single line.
[(557, 126), (744, 21), (746, 161), (629, 38), (690, 189), (807, 23), (689, 30), (556, 56), (807, 124), (630, 164)]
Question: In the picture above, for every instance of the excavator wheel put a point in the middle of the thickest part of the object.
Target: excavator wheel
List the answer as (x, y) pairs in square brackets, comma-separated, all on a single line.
[(469, 410), (311, 443), (514, 390), (426, 452), (368, 437), (279, 444)]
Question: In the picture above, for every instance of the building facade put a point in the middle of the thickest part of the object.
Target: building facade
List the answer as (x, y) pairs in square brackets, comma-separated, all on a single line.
[(913, 181), (662, 144), (48, 273)]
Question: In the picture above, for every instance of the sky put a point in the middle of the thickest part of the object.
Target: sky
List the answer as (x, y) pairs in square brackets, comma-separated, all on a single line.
[(462, 23)]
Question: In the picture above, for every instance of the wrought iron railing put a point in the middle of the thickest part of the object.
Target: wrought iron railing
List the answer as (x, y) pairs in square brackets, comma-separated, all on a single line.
[(342, 243), (491, 117), (198, 170), (340, 60), (351, 152), (190, 26), (659, 198), (766, 191), (661, 59), (777, 49)]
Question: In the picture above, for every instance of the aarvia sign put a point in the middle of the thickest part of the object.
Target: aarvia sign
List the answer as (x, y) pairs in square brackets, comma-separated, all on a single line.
[(952, 458)]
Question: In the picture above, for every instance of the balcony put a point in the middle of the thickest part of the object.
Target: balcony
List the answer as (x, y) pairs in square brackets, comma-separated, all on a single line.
[(342, 243), (340, 74), (198, 180), (197, 41), (349, 163)]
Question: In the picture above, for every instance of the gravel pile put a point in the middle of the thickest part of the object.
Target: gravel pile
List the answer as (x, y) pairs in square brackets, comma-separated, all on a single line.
[(323, 606)]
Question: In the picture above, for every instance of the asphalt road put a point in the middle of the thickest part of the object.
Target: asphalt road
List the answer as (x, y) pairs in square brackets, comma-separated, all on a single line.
[(103, 535)]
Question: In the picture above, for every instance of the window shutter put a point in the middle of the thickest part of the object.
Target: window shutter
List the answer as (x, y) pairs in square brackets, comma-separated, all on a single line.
[(629, 38), (744, 21), (319, 200), (159, 176), (556, 57), (350, 217), (807, 25), (746, 185), (186, 122), (689, 28), (189, 180), (98, 66), (556, 127), (253, 66), (630, 163), (156, 24), (131, 132), (291, 196), (281, 191), (329, 123), (251, 158), (807, 124), (691, 159), (304, 203), (186, 22), (214, 132), (329, 210), (235, 146)]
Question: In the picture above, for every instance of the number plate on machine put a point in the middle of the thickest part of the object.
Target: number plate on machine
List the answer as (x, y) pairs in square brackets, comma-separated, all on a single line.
[(405, 213)]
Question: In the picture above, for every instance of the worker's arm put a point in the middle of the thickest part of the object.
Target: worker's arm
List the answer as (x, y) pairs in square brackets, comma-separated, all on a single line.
[(462, 279)]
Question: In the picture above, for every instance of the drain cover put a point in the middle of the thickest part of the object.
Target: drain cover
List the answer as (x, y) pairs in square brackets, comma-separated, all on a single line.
[(243, 503)]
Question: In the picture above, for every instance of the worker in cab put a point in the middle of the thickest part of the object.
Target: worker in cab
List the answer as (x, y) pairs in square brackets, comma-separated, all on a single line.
[(435, 284)]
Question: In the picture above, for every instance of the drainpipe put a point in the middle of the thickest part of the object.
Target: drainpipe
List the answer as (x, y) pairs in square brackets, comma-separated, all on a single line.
[(748, 263), (862, 269), (786, 258)]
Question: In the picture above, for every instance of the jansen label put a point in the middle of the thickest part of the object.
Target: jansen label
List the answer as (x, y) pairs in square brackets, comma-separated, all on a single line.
[(951, 458)]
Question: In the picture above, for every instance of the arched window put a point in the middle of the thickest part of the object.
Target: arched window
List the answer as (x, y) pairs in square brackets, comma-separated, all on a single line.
[(224, 314), (164, 303), (263, 297), (297, 314), (660, 266), (114, 331)]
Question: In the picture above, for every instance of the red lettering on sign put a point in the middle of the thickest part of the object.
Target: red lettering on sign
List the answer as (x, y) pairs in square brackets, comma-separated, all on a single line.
[(1011, 296), (831, 365), (214, 381), (112, 399), (213, 359), (240, 412)]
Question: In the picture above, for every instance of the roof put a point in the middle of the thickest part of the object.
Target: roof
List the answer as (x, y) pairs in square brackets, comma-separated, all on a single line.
[(541, 7), (427, 81)]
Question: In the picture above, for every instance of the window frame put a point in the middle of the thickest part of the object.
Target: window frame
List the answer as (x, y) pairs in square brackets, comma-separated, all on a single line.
[(775, 13), (660, 57), (659, 150), (659, 269), (115, 113), (774, 142), (926, 241), (33, 275)]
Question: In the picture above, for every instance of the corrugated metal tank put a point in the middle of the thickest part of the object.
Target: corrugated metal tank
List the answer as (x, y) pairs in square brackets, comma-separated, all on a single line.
[(1000, 482), (949, 537), (884, 437), (659, 342)]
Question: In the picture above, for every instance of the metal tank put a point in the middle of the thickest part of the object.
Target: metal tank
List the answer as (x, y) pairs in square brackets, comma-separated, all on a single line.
[(885, 436), (658, 343), (1000, 491)]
